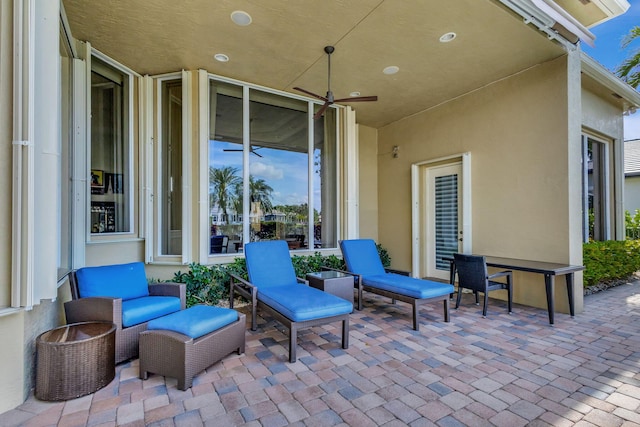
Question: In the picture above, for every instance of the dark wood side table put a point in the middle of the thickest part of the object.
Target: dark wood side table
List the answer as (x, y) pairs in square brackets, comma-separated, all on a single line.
[(333, 282), (75, 360)]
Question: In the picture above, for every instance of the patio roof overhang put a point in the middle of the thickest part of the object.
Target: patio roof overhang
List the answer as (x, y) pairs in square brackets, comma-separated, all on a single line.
[(283, 46)]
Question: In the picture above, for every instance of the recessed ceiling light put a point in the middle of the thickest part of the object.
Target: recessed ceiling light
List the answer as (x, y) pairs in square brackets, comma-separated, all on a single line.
[(241, 18), (447, 37), (221, 57), (354, 93), (392, 69)]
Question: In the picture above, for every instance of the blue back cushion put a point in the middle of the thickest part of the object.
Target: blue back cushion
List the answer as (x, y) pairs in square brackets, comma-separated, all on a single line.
[(361, 257), (269, 263), (126, 281)]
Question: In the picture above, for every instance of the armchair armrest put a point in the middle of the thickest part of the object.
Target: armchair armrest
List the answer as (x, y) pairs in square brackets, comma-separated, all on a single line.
[(506, 273), (94, 308), (170, 289), (246, 290), (243, 287)]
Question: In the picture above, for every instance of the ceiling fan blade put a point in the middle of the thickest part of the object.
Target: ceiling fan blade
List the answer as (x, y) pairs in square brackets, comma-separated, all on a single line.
[(251, 151), (321, 111), (310, 93), (357, 99)]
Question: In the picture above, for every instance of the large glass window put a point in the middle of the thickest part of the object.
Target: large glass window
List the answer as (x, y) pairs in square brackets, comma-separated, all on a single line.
[(225, 168), (64, 262), (171, 163), (595, 192), (279, 169), (289, 185), (110, 150)]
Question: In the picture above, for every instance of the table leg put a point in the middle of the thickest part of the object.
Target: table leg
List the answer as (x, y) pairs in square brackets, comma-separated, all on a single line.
[(548, 283), (452, 276), (569, 279)]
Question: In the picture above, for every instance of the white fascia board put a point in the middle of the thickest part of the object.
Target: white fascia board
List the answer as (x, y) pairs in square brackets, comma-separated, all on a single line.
[(598, 72), (612, 8), (565, 19), (544, 14)]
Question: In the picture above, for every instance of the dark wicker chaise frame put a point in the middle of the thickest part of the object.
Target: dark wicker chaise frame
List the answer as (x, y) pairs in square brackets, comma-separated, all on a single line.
[(175, 355), (109, 309), (416, 303), (250, 292)]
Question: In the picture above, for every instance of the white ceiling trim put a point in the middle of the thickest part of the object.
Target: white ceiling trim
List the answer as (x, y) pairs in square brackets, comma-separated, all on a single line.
[(605, 77), (544, 14), (563, 18)]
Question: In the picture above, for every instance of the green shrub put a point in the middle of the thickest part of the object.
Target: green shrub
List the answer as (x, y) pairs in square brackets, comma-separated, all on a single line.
[(610, 260), (210, 284)]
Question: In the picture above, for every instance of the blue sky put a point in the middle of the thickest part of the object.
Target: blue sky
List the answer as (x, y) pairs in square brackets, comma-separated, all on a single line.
[(284, 171), (608, 52)]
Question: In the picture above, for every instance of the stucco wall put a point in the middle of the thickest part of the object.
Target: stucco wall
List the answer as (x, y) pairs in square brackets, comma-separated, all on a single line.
[(368, 182), (516, 131), (12, 334), (632, 194)]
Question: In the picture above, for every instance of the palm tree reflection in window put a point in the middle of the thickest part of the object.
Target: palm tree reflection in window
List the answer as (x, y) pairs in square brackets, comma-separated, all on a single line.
[(226, 193)]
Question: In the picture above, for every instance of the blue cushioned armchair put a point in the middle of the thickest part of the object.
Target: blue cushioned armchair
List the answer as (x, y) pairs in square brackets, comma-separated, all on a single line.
[(274, 287), (121, 294), (363, 261)]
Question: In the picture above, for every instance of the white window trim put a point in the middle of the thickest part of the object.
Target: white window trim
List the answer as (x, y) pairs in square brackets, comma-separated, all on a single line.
[(187, 113), (607, 146), (155, 203), (204, 102), (203, 151), (130, 75)]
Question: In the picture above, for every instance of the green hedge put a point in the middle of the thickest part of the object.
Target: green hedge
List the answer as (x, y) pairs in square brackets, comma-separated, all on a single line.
[(610, 261), (210, 284), (604, 262)]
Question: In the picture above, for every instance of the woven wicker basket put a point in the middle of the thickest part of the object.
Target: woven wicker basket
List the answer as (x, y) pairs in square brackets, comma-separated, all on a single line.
[(74, 360)]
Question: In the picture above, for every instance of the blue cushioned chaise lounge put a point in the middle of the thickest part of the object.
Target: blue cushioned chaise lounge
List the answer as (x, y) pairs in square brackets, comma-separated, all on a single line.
[(274, 287), (362, 260)]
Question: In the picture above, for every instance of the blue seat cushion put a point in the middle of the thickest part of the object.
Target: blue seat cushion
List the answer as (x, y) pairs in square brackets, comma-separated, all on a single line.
[(408, 286), (195, 321), (299, 302), (361, 257), (126, 281), (140, 310)]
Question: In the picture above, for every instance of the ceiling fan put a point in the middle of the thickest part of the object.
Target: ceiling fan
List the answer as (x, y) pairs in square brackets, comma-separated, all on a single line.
[(251, 150), (329, 99)]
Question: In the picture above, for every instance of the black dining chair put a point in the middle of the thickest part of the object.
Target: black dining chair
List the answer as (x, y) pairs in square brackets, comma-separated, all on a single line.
[(472, 274)]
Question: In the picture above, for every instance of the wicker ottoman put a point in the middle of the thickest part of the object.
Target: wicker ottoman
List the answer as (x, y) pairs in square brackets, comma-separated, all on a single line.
[(182, 344)]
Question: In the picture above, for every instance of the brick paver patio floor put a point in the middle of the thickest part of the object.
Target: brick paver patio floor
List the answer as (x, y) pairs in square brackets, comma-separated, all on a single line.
[(504, 370)]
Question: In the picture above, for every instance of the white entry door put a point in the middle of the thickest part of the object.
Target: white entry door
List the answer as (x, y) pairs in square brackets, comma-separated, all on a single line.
[(443, 212)]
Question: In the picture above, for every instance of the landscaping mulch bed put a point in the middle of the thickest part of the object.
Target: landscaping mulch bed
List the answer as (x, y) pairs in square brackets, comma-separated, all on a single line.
[(606, 285)]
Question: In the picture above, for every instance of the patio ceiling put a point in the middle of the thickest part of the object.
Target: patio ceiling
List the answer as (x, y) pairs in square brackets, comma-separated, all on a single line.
[(283, 47)]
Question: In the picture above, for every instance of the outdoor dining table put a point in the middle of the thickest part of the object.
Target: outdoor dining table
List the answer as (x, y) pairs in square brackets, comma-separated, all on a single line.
[(549, 269)]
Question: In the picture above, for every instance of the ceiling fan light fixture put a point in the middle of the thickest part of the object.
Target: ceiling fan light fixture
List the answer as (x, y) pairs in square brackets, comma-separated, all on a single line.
[(241, 18), (392, 69), (447, 37), (221, 57)]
